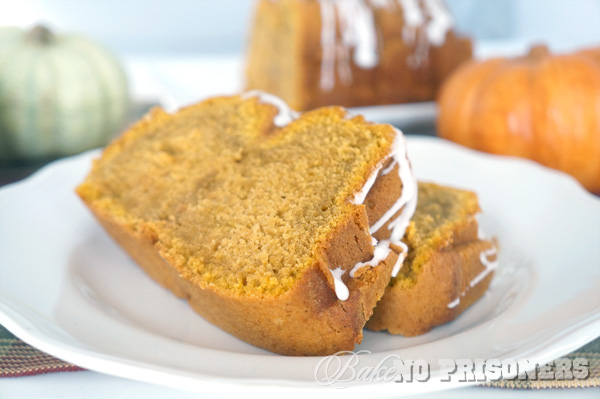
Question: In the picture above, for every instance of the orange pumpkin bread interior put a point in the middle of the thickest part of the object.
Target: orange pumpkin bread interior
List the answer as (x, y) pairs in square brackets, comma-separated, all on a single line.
[(447, 269), (246, 219)]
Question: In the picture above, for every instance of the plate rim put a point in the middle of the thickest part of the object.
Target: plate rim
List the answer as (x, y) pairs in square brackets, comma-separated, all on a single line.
[(110, 364)]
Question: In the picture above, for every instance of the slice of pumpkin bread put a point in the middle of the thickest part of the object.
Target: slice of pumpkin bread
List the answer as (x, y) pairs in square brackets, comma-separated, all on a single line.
[(449, 264), (255, 215)]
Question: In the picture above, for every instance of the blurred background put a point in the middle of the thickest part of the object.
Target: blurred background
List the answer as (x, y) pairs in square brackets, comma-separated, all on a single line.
[(194, 27), (174, 52), (159, 40)]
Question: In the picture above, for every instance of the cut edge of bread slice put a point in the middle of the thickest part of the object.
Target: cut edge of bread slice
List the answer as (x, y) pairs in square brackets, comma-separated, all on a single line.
[(449, 269)]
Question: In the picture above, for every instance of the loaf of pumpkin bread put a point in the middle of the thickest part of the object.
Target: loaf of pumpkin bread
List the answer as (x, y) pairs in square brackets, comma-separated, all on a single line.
[(449, 264), (353, 53), (260, 217)]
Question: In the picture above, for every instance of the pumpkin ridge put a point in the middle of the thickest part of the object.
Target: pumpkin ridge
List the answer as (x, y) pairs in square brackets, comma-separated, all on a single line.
[(476, 132), (56, 96), (544, 107)]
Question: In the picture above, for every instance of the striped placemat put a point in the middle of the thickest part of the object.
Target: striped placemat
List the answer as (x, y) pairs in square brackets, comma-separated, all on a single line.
[(18, 359), (590, 353)]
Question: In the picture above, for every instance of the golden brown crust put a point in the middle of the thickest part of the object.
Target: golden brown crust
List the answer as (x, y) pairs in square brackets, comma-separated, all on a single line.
[(416, 309)]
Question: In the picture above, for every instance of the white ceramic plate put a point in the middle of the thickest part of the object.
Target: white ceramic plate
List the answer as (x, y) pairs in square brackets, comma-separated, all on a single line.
[(67, 289)]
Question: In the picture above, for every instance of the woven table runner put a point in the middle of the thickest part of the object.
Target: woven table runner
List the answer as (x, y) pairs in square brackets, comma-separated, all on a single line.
[(18, 359), (590, 352)]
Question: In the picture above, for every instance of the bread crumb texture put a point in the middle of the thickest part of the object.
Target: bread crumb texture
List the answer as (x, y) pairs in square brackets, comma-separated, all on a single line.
[(440, 211), (230, 200)]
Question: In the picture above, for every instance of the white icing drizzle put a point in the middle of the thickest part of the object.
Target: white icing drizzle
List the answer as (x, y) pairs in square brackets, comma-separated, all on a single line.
[(407, 202), (413, 17), (484, 258), (409, 191), (441, 22), (327, 44), (382, 3), (489, 265), (381, 252), (358, 33), (389, 168), (285, 114), (480, 234), (412, 35), (340, 288), (359, 197), (454, 303), (400, 261)]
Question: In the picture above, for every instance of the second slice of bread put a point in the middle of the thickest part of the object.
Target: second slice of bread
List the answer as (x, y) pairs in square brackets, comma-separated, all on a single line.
[(448, 268)]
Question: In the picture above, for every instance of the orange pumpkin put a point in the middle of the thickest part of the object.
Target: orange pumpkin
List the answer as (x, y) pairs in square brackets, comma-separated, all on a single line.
[(543, 107)]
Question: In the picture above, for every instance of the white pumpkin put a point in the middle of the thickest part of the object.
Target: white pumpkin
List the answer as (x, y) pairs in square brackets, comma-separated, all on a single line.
[(59, 95)]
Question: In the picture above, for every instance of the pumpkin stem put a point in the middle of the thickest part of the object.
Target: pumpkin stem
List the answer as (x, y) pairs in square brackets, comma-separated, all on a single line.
[(539, 51), (40, 34)]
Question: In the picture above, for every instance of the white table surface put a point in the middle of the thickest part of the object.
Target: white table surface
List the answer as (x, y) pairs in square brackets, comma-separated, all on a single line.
[(92, 385)]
